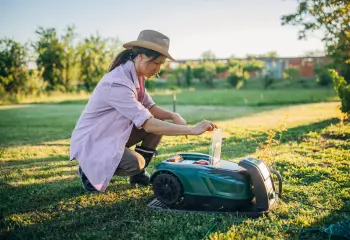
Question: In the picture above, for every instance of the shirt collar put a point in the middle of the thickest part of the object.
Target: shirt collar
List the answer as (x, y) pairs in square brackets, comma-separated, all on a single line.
[(130, 67)]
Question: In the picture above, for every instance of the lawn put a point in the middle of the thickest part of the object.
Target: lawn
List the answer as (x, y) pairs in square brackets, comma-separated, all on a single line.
[(232, 97), (41, 195), (213, 97)]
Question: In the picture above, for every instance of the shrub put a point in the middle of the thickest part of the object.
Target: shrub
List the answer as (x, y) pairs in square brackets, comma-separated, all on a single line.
[(236, 76), (324, 77), (205, 72), (343, 89), (188, 76), (268, 79), (221, 68), (292, 73)]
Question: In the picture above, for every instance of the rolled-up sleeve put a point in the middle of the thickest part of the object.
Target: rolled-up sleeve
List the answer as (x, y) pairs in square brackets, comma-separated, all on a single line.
[(148, 101), (123, 99)]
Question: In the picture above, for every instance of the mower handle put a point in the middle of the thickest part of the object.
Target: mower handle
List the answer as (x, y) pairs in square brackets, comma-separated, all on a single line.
[(279, 177)]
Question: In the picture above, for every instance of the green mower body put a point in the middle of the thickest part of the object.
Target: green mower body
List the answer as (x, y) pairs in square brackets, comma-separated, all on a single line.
[(190, 178)]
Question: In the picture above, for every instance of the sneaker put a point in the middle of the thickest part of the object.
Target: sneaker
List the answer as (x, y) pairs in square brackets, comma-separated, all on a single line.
[(143, 178), (86, 183)]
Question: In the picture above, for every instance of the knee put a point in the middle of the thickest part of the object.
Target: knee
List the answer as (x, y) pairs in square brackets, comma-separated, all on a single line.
[(140, 163)]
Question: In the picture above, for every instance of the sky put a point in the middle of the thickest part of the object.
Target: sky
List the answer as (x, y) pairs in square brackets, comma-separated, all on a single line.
[(226, 27)]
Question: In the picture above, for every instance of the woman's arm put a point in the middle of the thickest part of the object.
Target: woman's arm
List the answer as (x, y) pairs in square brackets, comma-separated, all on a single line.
[(163, 114), (124, 100), (160, 127)]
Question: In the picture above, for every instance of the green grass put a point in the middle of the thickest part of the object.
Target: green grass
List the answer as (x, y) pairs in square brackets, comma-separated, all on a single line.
[(252, 83), (214, 97), (41, 195), (231, 97)]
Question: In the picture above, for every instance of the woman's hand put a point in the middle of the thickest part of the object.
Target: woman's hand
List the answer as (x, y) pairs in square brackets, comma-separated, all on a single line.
[(202, 127), (177, 119)]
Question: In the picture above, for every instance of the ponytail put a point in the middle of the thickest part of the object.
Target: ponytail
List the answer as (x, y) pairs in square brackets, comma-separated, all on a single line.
[(121, 58), (130, 54)]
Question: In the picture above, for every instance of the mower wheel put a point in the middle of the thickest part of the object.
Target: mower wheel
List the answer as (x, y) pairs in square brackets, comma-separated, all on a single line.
[(168, 189)]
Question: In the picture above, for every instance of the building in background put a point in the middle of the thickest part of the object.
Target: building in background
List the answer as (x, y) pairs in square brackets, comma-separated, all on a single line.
[(276, 66)]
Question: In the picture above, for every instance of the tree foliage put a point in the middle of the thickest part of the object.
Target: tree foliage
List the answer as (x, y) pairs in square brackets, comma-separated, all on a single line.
[(93, 61), (237, 73), (333, 18), (50, 58), (13, 66), (208, 55), (343, 89)]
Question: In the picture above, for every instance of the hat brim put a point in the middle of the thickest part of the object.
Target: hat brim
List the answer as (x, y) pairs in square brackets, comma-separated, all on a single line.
[(149, 45)]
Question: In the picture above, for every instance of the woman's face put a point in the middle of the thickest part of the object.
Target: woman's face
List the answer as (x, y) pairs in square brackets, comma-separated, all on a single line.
[(148, 67)]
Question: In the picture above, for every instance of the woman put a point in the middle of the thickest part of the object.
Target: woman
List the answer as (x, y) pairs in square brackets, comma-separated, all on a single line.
[(120, 114)]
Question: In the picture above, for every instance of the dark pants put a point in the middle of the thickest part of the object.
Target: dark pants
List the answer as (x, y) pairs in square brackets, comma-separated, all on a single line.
[(132, 162)]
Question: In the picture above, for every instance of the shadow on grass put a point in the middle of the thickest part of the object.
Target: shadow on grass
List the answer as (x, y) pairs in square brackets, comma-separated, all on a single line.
[(295, 134), (35, 196), (125, 219), (334, 225)]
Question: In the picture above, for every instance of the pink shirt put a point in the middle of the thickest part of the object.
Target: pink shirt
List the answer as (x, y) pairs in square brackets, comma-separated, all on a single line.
[(104, 127)]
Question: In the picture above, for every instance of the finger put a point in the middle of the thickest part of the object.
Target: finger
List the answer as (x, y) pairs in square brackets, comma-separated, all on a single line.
[(209, 127), (212, 126)]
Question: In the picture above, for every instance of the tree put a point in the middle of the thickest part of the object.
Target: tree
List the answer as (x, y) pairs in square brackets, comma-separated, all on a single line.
[(237, 73), (93, 61), (114, 46), (198, 71), (209, 73), (178, 75), (271, 54), (221, 67), (292, 73), (267, 79), (70, 56), (333, 17), (253, 66), (208, 55), (343, 89), (324, 78), (50, 57), (205, 72), (251, 56), (13, 66), (188, 75)]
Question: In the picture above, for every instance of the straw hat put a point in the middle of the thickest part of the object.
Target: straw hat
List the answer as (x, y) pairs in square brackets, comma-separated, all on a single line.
[(153, 40)]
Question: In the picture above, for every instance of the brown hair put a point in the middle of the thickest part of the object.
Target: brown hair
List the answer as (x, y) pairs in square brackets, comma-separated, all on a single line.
[(130, 54)]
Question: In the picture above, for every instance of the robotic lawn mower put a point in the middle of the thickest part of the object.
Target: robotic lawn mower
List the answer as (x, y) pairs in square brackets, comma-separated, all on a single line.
[(204, 183)]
